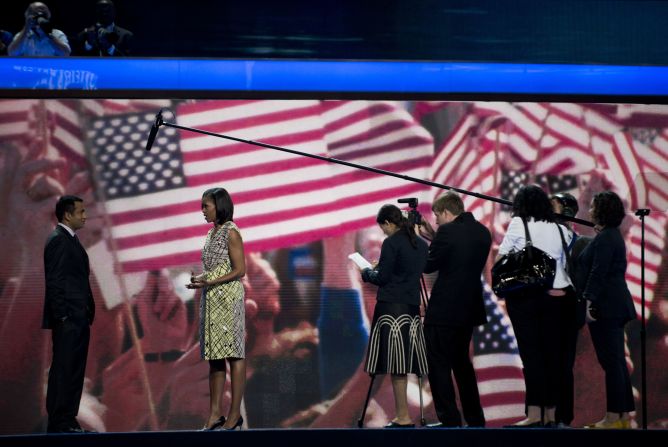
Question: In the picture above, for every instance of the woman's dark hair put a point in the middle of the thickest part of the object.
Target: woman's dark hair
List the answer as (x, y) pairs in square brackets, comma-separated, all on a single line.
[(392, 214), (607, 209), (224, 206), (531, 201), (66, 204)]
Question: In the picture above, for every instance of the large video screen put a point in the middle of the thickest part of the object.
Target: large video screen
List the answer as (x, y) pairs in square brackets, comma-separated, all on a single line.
[(307, 311)]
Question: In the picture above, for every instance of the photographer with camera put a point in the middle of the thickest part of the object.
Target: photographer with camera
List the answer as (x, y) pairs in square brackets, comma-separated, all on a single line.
[(458, 251), (38, 37), (104, 38)]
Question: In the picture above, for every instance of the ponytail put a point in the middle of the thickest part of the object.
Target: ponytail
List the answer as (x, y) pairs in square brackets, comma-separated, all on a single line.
[(392, 214)]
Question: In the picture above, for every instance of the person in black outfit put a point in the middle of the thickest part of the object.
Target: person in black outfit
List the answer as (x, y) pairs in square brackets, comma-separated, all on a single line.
[(600, 276), (396, 342), (535, 313), (104, 38), (571, 312), (458, 251), (69, 310), (5, 39)]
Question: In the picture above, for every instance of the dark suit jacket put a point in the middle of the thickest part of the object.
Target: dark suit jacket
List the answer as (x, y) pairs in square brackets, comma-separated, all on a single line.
[(600, 275), (123, 43), (66, 270), (459, 252), (399, 270)]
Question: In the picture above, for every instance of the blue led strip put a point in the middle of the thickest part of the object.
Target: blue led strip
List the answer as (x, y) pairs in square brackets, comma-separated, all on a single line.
[(93, 74)]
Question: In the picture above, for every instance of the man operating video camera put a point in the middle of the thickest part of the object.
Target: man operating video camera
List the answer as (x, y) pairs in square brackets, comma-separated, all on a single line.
[(104, 38), (458, 251), (38, 37)]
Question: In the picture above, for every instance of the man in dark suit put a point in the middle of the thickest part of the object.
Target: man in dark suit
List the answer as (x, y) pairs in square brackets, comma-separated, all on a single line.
[(571, 309), (68, 311), (104, 38), (458, 252)]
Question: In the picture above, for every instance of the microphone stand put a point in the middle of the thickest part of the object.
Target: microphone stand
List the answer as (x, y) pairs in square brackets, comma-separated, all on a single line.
[(641, 213), (160, 122)]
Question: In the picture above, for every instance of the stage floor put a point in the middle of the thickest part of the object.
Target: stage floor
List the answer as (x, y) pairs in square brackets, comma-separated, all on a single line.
[(468, 437)]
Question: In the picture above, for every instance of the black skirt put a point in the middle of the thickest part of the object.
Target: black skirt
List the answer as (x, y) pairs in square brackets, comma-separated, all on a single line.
[(396, 343)]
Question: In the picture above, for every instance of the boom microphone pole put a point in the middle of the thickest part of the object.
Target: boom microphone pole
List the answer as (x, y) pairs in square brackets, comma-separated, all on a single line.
[(159, 122)]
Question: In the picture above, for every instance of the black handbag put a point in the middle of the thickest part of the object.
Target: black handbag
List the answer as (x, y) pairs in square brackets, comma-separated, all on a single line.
[(528, 268)]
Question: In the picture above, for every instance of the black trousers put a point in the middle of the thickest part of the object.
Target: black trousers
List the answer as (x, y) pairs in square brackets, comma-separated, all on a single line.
[(537, 325), (66, 375), (608, 338), (568, 334), (448, 354)]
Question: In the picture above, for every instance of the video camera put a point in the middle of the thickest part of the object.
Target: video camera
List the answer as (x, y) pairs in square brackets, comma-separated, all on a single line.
[(41, 20), (414, 216)]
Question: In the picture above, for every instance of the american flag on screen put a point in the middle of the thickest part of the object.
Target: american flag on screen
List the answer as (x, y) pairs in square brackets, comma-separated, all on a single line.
[(498, 366), (280, 199), (560, 146), (65, 130), (16, 118), (54, 125)]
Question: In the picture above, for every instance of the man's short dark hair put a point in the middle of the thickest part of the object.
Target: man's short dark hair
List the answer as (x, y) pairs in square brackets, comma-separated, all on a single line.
[(568, 203), (66, 204), (449, 201)]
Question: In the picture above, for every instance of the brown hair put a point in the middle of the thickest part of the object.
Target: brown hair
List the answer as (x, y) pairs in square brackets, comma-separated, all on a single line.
[(449, 201)]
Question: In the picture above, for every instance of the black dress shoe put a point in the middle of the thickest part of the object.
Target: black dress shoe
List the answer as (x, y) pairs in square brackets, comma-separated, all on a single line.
[(219, 422), (236, 425), (393, 424)]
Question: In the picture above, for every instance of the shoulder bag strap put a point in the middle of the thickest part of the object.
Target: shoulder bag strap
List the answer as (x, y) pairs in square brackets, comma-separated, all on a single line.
[(527, 237), (569, 261)]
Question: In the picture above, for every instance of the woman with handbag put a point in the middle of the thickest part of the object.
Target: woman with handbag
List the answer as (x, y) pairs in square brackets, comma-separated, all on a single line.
[(600, 277), (222, 311), (534, 311)]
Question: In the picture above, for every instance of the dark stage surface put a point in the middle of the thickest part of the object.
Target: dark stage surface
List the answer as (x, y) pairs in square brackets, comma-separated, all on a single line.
[(367, 437)]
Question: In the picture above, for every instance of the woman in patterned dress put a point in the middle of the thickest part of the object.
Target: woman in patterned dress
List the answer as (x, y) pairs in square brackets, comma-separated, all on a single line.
[(222, 315), (396, 342)]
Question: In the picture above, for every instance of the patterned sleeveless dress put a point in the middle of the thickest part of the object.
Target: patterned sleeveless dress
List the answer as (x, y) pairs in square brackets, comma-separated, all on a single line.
[(222, 311)]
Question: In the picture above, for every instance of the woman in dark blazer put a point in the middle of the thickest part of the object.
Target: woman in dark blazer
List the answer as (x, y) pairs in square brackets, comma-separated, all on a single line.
[(536, 314), (600, 277), (396, 342)]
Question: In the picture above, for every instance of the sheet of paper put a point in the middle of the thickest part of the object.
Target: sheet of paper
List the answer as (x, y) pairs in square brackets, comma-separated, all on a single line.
[(359, 260)]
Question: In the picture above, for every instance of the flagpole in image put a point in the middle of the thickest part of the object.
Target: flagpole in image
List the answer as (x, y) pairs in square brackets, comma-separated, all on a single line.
[(127, 310)]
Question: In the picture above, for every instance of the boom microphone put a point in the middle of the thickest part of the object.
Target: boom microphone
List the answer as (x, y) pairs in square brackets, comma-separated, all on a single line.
[(154, 130)]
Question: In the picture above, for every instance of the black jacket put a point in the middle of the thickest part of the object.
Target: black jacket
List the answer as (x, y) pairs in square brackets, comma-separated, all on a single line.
[(600, 275), (66, 270), (459, 252), (121, 38), (399, 270)]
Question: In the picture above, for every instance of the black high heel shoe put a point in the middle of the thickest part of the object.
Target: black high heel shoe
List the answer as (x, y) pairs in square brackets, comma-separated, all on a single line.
[(219, 422), (238, 424)]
